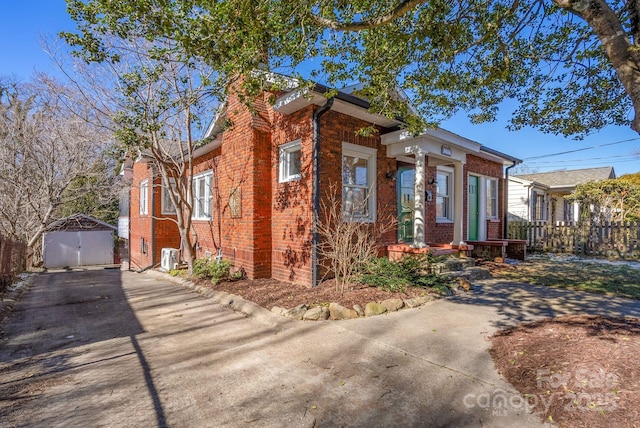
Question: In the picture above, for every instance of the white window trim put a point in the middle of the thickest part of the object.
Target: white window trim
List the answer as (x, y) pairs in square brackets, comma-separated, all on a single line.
[(285, 151), (195, 215), (450, 172), (370, 155), (167, 210), (144, 197)]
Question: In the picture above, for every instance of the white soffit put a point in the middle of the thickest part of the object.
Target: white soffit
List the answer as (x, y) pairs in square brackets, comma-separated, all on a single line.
[(294, 101)]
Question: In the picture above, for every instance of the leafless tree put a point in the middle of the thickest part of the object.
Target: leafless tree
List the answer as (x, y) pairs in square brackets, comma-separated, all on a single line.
[(50, 157), (347, 244), (163, 100)]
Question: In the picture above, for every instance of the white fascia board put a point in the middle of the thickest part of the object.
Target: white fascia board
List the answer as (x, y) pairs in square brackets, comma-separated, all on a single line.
[(215, 126), (438, 135), (207, 148), (296, 100), (429, 146)]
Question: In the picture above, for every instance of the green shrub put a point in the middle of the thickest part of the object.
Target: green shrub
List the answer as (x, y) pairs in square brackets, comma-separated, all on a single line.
[(217, 270), (410, 270), (383, 273)]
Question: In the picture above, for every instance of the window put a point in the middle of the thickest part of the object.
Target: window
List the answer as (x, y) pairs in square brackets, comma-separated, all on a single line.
[(492, 198), (167, 205), (202, 196), (538, 206), (444, 195), (358, 182), (290, 161), (144, 197)]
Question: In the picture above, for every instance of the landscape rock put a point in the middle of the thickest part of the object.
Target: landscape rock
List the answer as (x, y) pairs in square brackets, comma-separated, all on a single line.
[(296, 313), (392, 305), (315, 314), (278, 310), (373, 308), (414, 302), (359, 310), (339, 312)]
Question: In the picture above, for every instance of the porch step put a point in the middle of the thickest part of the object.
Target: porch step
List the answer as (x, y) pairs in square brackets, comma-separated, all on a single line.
[(452, 264), (471, 273)]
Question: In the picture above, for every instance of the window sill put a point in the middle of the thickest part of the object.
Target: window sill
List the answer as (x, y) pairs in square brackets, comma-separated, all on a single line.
[(493, 220), (290, 179), (444, 221)]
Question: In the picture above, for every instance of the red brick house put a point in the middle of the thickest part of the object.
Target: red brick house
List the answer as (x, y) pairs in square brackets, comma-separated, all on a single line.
[(257, 183)]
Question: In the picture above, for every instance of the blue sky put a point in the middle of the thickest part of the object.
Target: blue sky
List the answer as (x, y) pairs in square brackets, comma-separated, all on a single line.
[(23, 23)]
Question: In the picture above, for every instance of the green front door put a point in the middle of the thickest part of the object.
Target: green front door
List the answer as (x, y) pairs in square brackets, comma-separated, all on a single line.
[(472, 204), (406, 203)]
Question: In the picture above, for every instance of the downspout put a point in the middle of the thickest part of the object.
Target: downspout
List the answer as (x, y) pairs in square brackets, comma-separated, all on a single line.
[(316, 188), (505, 231)]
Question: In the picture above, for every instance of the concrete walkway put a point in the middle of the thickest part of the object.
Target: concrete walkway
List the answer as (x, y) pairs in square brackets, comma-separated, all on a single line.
[(183, 360)]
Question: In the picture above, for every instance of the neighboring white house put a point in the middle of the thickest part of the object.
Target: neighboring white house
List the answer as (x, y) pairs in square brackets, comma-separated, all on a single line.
[(540, 197)]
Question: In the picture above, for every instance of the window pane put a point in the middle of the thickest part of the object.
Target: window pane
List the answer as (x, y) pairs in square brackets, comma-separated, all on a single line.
[(492, 198), (355, 201), (443, 184), (442, 207), (294, 163), (354, 171)]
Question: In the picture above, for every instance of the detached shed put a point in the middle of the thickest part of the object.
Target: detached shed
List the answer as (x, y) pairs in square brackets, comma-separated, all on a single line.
[(78, 240)]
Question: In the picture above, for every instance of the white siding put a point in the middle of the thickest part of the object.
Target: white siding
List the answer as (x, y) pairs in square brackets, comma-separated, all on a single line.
[(518, 206)]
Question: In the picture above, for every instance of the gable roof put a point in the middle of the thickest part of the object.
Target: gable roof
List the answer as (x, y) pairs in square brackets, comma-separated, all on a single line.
[(294, 98), (570, 177), (79, 222)]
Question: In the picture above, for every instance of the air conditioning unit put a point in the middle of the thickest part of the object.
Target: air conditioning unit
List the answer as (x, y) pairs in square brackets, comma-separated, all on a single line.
[(169, 259)]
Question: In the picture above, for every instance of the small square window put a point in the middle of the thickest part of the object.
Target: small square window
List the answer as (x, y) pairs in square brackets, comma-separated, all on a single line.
[(290, 161)]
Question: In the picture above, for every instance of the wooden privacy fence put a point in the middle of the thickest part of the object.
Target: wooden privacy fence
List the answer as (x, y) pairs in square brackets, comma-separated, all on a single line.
[(611, 239), (13, 256)]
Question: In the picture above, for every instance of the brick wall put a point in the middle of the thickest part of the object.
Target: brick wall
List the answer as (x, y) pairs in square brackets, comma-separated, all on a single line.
[(140, 225), (270, 232)]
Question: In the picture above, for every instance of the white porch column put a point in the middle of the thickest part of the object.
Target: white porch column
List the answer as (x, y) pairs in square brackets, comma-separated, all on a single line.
[(418, 213), (458, 203)]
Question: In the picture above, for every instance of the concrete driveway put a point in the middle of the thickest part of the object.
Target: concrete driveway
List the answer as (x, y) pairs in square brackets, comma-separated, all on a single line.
[(110, 348)]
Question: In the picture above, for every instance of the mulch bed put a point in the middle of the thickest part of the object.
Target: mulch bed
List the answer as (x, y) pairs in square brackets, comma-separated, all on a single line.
[(575, 371), (269, 293)]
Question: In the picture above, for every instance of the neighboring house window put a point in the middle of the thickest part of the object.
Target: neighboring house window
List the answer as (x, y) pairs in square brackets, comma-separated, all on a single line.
[(144, 197), (167, 205), (290, 161), (444, 195), (202, 196), (538, 206), (492, 198), (358, 182)]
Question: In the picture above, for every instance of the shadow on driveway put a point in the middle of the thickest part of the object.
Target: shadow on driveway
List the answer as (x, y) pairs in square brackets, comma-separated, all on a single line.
[(517, 302)]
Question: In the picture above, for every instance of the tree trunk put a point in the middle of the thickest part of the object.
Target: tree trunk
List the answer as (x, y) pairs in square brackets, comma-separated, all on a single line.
[(624, 56)]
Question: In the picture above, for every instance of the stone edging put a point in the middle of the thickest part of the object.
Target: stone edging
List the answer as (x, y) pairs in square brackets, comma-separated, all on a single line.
[(333, 311)]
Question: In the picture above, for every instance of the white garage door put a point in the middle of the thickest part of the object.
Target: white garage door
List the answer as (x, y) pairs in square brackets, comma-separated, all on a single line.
[(85, 248)]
